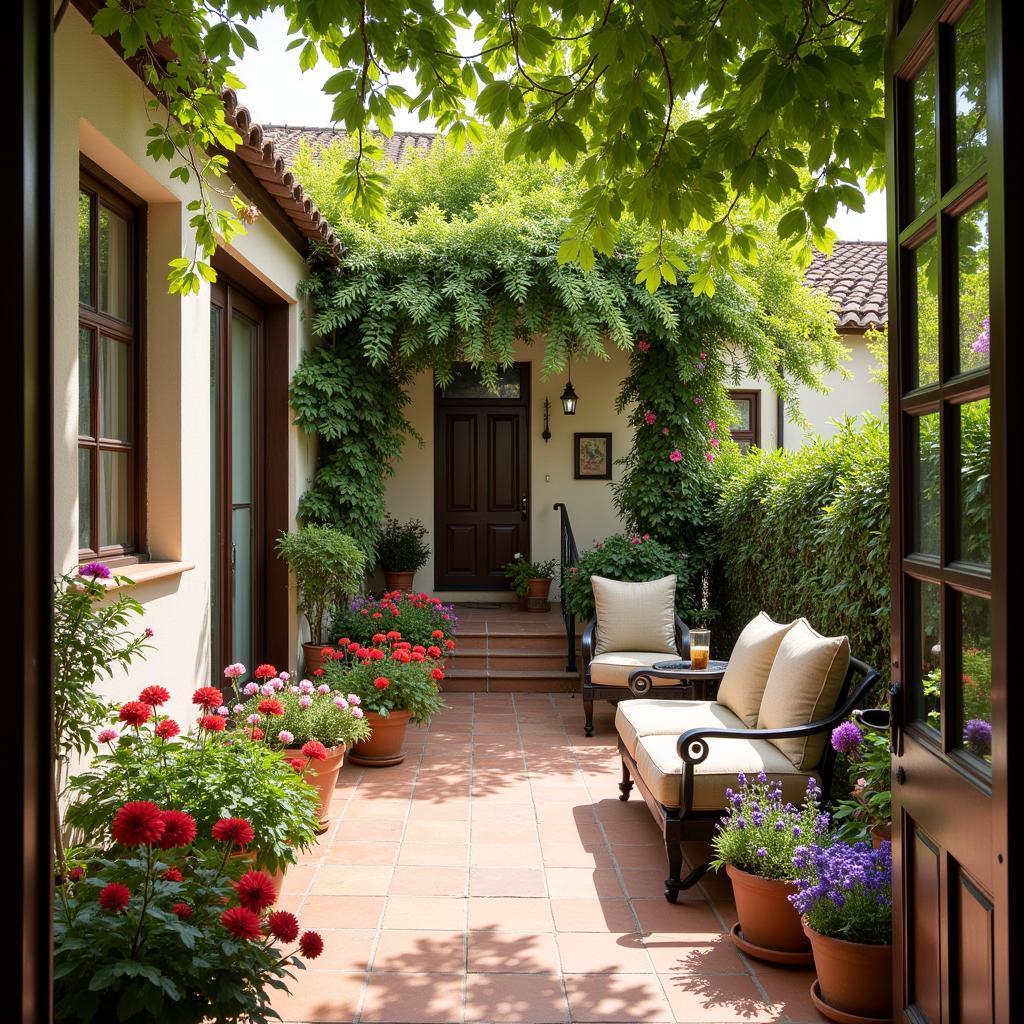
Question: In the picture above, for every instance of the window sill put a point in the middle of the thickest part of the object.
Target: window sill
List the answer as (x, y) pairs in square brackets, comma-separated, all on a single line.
[(147, 572)]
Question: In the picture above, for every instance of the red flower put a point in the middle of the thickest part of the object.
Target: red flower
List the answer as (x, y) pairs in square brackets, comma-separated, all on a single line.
[(257, 733), (437, 674), (270, 706), (154, 696), (376, 615), (233, 830), (382, 682), (76, 874), (376, 654), (363, 652), (337, 656), (419, 649), (255, 891), (173, 875), (416, 656), (212, 723), (437, 634), (450, 644), (134, 712), (179, 830), (114, 897), (208, 697), (167, 729), (353, 647), (242, 923), (343, 641), (138, 823), (298, 764), (314, 750), (394, 635), (183, 910), (318, 672), (434, 652), (379, 638), (283, 925), (311, 945), (265, 672), (327, 652)]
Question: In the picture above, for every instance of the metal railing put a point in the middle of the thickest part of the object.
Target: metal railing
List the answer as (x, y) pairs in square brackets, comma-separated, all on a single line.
[(569, 555)]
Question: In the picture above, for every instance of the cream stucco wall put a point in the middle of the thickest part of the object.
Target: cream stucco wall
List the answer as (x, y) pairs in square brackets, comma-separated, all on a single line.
[(100, 112)]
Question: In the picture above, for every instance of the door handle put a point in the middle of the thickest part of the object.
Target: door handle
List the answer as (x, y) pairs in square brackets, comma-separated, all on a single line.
[(522, 509)]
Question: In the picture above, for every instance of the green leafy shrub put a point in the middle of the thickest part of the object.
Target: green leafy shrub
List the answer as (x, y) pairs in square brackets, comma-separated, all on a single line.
[(418, 618), (633, 559), (306, 714), (864, 762), (402, 547), (519, 572)]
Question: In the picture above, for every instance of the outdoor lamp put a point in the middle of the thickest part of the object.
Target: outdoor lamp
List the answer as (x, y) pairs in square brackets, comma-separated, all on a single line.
[(569, 396)]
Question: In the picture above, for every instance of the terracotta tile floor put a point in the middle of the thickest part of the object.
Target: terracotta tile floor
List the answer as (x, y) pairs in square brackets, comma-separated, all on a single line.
[(496, 876)]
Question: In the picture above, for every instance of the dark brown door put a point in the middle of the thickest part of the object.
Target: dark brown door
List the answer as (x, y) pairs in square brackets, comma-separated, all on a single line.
[(481, 493), (948, 251)]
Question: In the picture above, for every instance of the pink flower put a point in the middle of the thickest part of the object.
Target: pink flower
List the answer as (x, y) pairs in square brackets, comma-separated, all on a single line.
[(284, 676), (715, 443), (664, 431), (285, 737), (357, 712), (675, 455), (305, 701), (339, 701), (239, 708), (107, 736), (644, 346), (235, 670), (250, 688), (323, 688), (649, 418), (253, 719), (306, 686), (634, 540), (712, 426), (703, 357), (224, 710), (267, 690), (573, 570), (354, 699), (710, 456), (646, 536), (277, 684), (697, 400)]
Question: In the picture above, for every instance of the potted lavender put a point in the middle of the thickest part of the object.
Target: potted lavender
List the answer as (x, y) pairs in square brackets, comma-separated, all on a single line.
[(844, 893)]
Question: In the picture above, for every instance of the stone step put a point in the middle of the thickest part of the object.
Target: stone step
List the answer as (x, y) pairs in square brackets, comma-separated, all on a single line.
[(475, 680)]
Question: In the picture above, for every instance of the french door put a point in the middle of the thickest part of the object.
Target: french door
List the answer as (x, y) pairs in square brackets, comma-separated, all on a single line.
[(951, 449)]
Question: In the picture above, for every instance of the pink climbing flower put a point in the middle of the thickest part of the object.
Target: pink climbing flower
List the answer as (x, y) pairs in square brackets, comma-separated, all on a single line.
[(712, 426), (644, 346), (697, 400), (715, 443), (664, 431), (675, 455), (710, 456), (703, 357), (650, 418), (646, 536)]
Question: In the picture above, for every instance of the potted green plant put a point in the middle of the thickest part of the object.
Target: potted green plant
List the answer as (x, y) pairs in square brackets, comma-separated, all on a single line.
[(531, 582), (401, 551), (518, 573), (844, 893), (755, 843), (329, 567), (394, 682), (867, 811)]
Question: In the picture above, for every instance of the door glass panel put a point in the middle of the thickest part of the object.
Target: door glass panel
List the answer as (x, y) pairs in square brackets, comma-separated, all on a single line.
[(742, 409), (85, 382), (468, 383), (113, 389), (242, 582), (925, 287), (972, 286), (85, 248), (922, 116), (113, 263), (114, 498), (976, 676), (975, 465), (926, 612), (243, 347), (924, 452), (84, 498), (969, 84)]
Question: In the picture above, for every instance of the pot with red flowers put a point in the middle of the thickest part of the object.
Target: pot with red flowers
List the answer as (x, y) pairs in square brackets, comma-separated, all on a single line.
[(394, 682), (420, 618)]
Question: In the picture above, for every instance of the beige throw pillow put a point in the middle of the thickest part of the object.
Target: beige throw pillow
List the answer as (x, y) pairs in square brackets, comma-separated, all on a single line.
[(635, 616), (749, 665), (803, 687)]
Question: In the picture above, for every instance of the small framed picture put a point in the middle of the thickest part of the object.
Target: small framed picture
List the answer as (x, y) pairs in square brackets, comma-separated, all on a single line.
[(592, 456)]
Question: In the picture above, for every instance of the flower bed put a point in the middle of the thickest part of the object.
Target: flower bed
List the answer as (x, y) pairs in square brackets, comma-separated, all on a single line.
[(418, 617)]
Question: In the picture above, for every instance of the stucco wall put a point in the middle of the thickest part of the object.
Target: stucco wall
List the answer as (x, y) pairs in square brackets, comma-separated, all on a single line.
[(100, 112)]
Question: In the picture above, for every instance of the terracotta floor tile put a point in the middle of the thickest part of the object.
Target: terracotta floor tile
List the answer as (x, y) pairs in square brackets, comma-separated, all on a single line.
[(644, 883), (509, 914), (426, 912), (524, 998), (297, 878), (341, 911), (346, 880), (507, 881), (585, 834), (511, 814), (321, 996), (603, 952), (718, 999), (347, 950), (409, 880), (592, 916), (690, 915), (790, 988), (380, 831), (414, 999), (619, 998), (648, 858), (434, 854), (503, 952), (437, 832), (506, 853), (491, 832), (353, 852), (695, 953), (448, 810), (415, 951), (569, 883), (574, 855)]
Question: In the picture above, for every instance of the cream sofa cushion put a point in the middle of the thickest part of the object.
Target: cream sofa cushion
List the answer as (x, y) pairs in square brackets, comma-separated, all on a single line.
[(635, 616), (661, 769), (803, 687), (615, 667), (751, 660), (635, 719)]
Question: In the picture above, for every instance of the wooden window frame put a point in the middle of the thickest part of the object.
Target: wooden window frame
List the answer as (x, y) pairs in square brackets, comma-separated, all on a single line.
[(113, 195), (753, 435)]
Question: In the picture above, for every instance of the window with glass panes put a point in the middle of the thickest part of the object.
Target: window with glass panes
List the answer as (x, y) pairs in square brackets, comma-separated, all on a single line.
[(109, 364), (746, 428)]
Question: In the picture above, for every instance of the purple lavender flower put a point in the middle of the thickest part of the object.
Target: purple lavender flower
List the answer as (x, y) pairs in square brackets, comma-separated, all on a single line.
[(95, 570), (978, 736), (847, 738), (762, 852), (983, 341)]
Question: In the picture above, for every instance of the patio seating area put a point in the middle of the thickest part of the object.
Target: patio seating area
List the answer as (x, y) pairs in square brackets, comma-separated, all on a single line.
[(495, 876)]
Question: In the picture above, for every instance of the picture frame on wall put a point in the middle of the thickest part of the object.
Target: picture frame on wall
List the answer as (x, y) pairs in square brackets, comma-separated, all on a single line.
[(592, 456)]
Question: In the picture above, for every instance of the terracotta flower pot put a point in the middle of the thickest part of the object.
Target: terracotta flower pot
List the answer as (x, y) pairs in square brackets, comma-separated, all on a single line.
[(854, 979), (322, 776), (537, 600), (313, 657), (522, 603), (399, 580), (384, 747), (881, 834), (769, 923)]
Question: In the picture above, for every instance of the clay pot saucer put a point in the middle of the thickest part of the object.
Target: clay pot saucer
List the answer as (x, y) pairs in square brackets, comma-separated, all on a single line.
[(841, 1016), (788, 958)]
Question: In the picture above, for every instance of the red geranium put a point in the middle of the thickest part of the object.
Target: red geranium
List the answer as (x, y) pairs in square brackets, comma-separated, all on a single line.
[(265, 672), (419, 649), (283, 925), (208, 697), (138, 823), (114, 897), (255, 891), (437, 634), (434, 652), (318, 672), (233, 830), (450, 644), (242, 923), (311, 945), (379, 638), (134, 712), (179, 830), (183, 910), (270, 706), (76, 874), (154, 696), (353, 647), (212, 723), (314, 750), (417, 656), (343, 641), (298, 764), (173, 875), (167, 729), (394, 635), (437, 674), (257, 733), (382, 682)]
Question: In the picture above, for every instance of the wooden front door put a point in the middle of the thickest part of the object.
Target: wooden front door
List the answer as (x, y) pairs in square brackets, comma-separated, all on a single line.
[(481, 492), (951, 448)]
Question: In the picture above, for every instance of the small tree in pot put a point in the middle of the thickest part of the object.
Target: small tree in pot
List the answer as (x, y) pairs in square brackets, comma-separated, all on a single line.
[(401, 551), (329, 568)]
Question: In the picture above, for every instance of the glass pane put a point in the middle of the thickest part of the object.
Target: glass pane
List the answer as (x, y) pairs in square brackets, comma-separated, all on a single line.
[(926, 625), (114, 389), (976, 672), (925, 271), (972, 286), (243, 350), (84, 498), (973, 482), (924, 494), (467, 383), (85, 381), (114, 499), (923, 150), (114, 260), (85, 248), (742, 407), (969, 83), (241, 586)]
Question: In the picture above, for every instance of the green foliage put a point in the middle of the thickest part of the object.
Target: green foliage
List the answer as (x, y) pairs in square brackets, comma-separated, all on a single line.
[(633, 559), (402, 547), (328, 567), (416, 617), (323, 720), (867, 774), (519, 572)]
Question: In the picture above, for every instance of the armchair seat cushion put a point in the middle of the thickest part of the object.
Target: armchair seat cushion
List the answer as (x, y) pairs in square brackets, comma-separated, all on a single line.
[(661, 769), (615, 667), (635, 719)]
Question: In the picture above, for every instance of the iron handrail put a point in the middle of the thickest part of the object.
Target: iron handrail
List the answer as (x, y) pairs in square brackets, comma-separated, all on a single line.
[(569, 555)]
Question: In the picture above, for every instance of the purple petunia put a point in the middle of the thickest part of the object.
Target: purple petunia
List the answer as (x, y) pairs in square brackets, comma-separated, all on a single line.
[(847, 738), (95, 570), (978, 736)]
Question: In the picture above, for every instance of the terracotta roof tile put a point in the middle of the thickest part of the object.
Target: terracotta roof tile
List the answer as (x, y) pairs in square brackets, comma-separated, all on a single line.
[(855, 278), (286, 140)]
